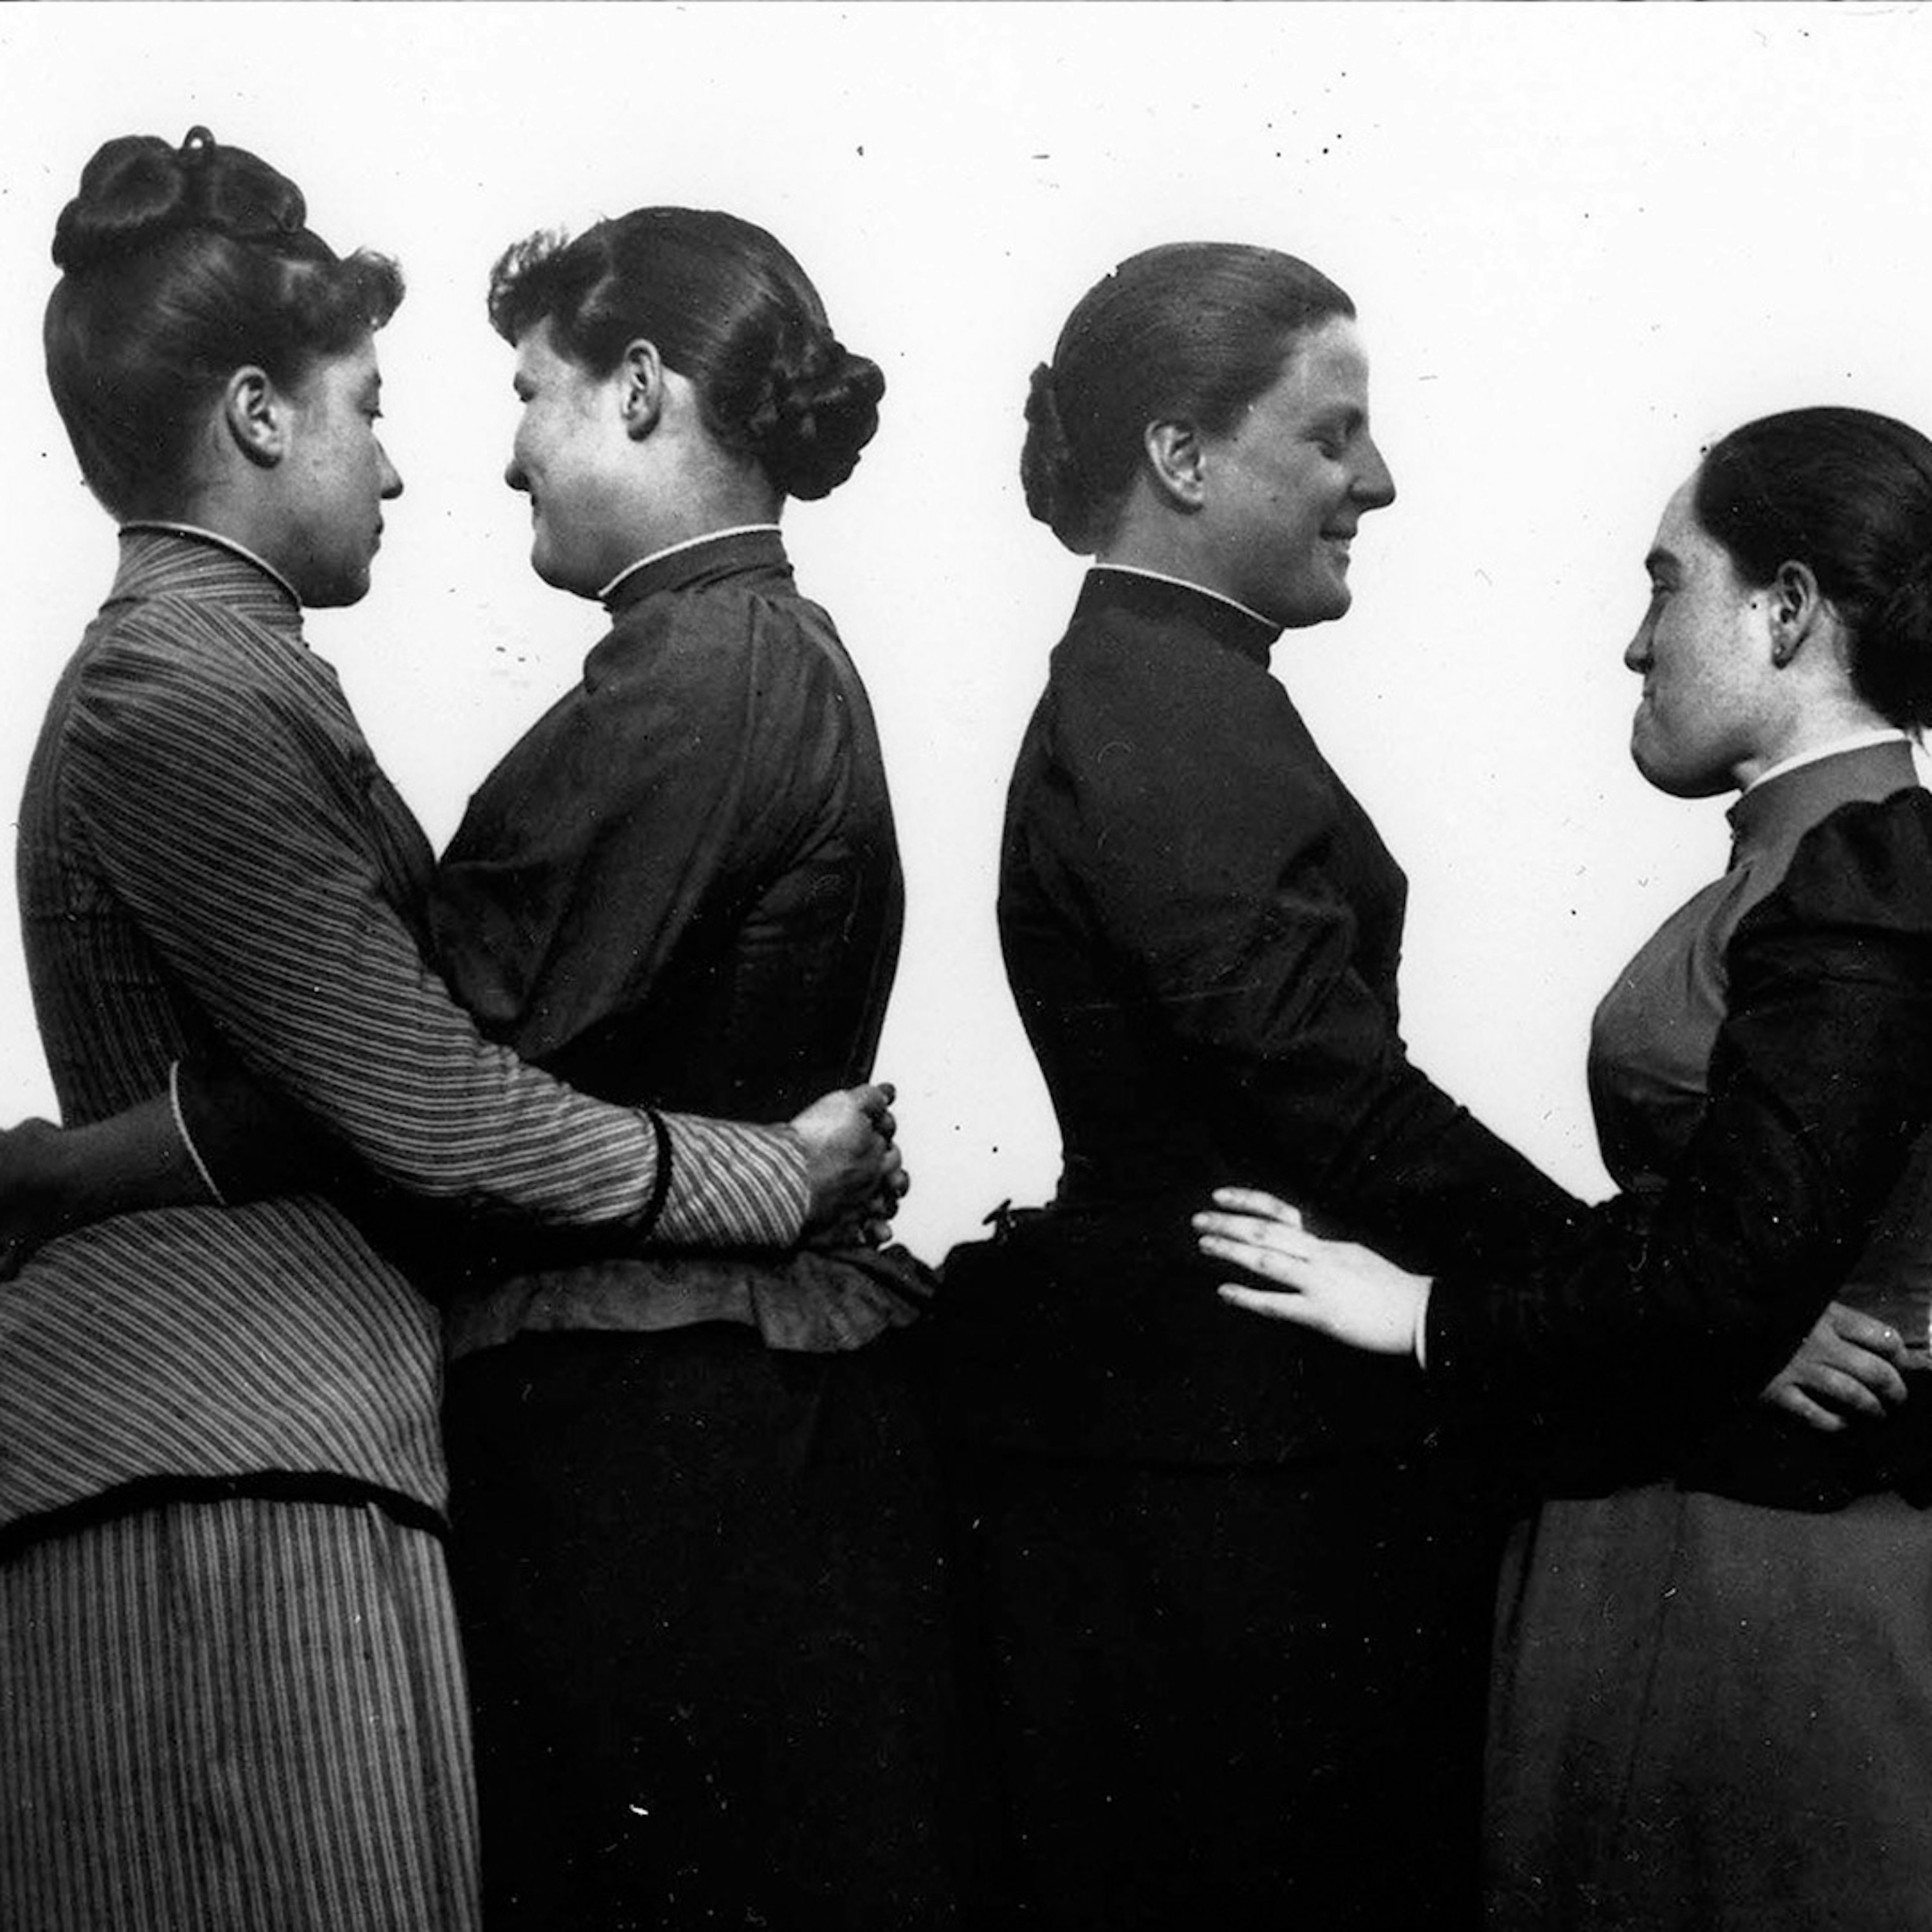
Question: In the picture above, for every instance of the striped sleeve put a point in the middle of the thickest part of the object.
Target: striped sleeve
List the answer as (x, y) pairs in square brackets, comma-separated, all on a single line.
[(228, 801), (729, 1187)]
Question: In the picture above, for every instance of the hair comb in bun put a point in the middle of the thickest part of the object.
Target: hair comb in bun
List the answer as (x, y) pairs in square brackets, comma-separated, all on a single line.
[(140, 191)]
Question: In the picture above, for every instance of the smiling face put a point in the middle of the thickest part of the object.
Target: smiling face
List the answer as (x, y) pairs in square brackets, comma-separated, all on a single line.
[(1707, 721), (1285, 488), (572, 458), (336, 477)]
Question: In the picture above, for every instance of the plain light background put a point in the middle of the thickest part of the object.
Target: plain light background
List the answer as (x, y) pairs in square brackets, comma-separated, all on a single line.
[(1584, 241)]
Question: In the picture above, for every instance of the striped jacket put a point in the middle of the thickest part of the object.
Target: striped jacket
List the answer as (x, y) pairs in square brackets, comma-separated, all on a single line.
[(210, 858)]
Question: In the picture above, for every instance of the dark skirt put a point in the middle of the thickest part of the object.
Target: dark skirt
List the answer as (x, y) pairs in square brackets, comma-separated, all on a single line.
[(1232, 1697), (1710, 1716), (705, 1606)]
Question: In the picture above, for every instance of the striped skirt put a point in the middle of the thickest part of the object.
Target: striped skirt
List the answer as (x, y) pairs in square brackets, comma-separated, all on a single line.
[(241, 1716)]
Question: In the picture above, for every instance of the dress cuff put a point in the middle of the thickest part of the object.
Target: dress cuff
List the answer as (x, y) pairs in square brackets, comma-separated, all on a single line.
[(187, 1139), (730, 1185), (666, 1161)]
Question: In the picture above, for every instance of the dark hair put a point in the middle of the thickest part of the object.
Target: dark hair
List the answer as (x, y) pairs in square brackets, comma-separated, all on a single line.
[(728, 309), (1195, 329), (1849, 493), (180, 265)]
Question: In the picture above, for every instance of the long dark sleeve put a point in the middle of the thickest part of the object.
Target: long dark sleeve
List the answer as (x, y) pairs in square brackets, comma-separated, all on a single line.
[(1821, 1079), (1203, 931), (1253, 919)]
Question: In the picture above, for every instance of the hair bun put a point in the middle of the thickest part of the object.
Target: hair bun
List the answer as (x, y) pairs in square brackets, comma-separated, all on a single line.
[(820, 409), (138, 190), (1050, 474), (1896, 649)]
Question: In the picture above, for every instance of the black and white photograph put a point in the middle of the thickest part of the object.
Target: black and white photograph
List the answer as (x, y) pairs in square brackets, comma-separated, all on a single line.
[(969, 966)]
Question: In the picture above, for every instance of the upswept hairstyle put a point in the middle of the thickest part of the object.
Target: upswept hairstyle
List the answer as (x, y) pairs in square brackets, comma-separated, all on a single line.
[(1194, 330), (728, 309), (180, 265), (1848, 493)]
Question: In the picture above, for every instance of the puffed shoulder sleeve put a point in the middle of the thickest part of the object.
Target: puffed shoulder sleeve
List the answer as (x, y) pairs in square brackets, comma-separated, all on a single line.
[(1820, 1082), (1211, 834), (233, 814)]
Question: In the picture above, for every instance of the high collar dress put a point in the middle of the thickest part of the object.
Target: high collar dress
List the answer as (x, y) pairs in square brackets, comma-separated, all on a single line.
[(1713, 1691), (1232, 1635), (701, 1596)]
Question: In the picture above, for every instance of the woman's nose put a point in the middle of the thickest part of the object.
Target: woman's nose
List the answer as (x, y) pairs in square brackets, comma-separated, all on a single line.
[(392, 479), (1374, 487)]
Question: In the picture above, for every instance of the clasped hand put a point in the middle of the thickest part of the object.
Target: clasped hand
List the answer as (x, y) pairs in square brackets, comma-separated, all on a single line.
[(1847, 1366), (856, 1175)]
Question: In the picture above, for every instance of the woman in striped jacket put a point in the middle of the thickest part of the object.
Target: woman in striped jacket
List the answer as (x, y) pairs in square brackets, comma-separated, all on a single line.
[(232, 1689)]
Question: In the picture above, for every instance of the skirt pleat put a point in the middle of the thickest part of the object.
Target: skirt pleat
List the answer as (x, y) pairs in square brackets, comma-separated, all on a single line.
[(1708, 1716), (231, 1716)]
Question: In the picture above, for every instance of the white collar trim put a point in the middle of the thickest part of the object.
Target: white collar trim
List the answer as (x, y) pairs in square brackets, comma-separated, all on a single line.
[(1852, 741), (671, 549), (1188, 583), (225, 543)]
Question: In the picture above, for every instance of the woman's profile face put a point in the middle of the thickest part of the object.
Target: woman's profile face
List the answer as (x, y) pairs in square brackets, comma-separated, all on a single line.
[(572, 459), (337, 479), (1285, 488), (1704, 652)]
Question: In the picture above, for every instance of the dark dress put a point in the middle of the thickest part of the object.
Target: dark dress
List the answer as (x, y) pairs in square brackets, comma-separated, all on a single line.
[(1235, 1635), (698, 1559), (1713, 1694)]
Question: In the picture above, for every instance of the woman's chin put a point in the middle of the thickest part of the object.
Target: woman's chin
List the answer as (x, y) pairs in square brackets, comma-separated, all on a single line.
[(335, 592), (1675, 777), (1322, 607)]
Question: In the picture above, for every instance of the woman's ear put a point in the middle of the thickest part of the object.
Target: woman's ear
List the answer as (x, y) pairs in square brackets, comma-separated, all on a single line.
[(1174, 461), (1798, 610), (256, 415), (641, 397)]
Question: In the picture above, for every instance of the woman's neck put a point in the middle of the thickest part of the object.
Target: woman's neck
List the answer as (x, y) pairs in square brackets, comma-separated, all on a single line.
[(1819, 736), (1161, 546)]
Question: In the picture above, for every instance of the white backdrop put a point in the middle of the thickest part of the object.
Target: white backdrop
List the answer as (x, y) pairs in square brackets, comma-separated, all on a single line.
[(1583, 240)]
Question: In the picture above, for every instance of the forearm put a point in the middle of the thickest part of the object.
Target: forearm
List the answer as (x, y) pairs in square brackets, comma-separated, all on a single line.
[(278, 905), (1247, 904), (722, 1184), (1891, 1279), (1822, 1080), (1397, 1163), (732, 1184), (53, 1180)]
